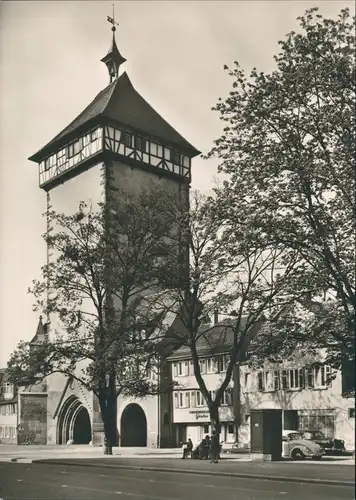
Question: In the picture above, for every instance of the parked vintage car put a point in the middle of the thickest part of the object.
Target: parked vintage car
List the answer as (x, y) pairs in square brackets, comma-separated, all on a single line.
[(331, 446), (296, 447)]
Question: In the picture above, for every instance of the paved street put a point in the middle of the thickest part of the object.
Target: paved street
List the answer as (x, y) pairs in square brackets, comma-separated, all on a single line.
[(53, 482), (293, 470)]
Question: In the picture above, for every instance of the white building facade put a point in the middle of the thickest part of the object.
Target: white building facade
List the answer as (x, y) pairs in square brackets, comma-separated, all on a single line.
[(8, 411), (311, 397), (190, 412)]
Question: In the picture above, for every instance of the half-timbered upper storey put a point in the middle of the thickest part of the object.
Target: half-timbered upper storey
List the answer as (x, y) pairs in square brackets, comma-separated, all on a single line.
[(117, 123)]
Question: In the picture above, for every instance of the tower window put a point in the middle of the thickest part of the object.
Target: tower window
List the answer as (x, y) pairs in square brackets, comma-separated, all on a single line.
[(127, 139), (167, 153), (77, 146), (140, 143), (71, 150), (175, 157), (153, 149)]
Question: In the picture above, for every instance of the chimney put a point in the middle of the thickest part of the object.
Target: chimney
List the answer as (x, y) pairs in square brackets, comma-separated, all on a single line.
[(216, 317)]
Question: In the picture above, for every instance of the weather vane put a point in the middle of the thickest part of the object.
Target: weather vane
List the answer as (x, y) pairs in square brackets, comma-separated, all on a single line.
[(111, 20)]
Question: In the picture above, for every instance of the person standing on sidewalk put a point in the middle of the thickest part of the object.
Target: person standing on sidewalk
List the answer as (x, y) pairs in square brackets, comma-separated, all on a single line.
[(214, 447)]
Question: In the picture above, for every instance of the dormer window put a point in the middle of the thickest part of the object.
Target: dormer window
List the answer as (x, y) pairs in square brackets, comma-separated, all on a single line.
[(127, 139)]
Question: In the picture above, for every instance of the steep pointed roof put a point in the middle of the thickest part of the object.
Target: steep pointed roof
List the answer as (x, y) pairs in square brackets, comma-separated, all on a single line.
[(41, 332), (120, 102), (113, 58)]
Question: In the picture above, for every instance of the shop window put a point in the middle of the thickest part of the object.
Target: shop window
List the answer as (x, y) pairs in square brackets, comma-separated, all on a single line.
[(231, 429), (206, 429)]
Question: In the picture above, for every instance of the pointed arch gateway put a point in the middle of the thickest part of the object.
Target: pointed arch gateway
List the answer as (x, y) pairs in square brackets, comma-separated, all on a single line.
[(73, 423), (133, 426)]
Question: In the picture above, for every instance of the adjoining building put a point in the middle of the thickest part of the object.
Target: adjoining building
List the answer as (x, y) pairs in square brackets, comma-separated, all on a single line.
[(311, 397), (190, 412), (8, 410)]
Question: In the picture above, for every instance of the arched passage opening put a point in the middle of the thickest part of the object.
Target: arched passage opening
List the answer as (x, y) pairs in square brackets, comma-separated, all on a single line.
[(133, 426), (73, 423)]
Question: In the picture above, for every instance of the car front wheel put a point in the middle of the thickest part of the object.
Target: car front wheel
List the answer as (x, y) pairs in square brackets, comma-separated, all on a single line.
[(298, 455)]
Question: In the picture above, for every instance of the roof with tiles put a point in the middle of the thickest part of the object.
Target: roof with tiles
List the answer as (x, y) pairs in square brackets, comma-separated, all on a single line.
[(217, 338), (120, 102), (41, 332)]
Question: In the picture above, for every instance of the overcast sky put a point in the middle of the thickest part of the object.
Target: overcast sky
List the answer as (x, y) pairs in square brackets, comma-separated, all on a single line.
[(50, 70)]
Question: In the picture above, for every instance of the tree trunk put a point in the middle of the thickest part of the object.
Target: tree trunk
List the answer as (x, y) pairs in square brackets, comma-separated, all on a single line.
[(215, 423), (236, 399), (110, 428), (109, 414), (214, 419)]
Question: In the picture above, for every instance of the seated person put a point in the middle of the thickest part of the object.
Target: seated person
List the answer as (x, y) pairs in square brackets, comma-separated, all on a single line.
[(204, 449), (187, 450)]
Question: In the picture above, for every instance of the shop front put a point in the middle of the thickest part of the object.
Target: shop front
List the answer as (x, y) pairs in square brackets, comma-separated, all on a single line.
[(195, 424)]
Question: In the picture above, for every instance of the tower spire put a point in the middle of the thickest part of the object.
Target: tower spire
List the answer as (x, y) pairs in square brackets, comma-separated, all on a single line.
[(113, 58)]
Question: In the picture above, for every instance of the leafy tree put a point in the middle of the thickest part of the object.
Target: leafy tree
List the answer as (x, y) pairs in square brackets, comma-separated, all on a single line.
[(104, 265), (230, 274), (288, 154)]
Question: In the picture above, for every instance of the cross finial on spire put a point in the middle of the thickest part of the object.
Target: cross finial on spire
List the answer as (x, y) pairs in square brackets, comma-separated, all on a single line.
[(113, 58)]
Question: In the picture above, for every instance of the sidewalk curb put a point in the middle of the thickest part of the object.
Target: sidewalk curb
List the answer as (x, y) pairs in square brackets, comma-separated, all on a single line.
[(328, 482)]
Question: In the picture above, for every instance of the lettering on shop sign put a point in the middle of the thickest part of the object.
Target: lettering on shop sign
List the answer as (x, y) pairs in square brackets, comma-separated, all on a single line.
[(204, 416), (199, 414)]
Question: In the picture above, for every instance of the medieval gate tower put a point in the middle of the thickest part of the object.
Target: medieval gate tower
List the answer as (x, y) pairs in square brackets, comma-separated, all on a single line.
[(119, 134)]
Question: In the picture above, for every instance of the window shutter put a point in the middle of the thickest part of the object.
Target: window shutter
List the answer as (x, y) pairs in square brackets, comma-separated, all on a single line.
[(310, 377), (277, 382), (328, 376), (260, 381)]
